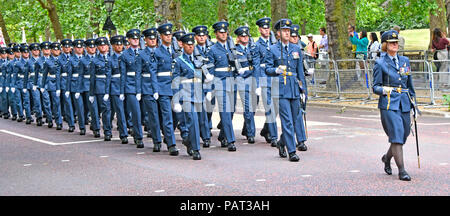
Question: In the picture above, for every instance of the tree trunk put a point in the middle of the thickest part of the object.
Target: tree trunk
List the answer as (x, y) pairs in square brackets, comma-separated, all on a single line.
[(447, 3), (4, 29), (222, 11), (48, 34), (303, 26), (438, 18), (278, 10), (339, 14), (94, 19), (168, 11), (53, 15)]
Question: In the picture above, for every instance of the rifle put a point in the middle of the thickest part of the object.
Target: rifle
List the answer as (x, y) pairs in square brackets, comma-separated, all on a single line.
[(233, 57), (200, 62), (176, 47), (272, 38)]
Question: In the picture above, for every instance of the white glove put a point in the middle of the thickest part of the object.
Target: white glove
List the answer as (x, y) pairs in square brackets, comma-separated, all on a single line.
[(241, 71), (106, 97), (13, 89), (208, 96), (7, 89), (122, 97), (42, 90), (281, 69), (177, 108), (58, 92), (34, 88), (24, 91), (77, 95), (209, 77), (156, 95), (91, 99), (1, 89), (67, 93), (138, 97), (310, 71), (258, 91)]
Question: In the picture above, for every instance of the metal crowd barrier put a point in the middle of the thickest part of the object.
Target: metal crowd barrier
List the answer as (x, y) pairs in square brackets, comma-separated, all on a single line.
[(352, 79), (440, 79), (324, 73)]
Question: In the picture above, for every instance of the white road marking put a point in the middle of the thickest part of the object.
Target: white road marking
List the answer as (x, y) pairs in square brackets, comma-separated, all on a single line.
[(25, 165), (210, 185), (443, 164), (140, 153), (370, 116), (354, 171), (212, 146), (368, 119), (351, 136), (244, 143), (104, 156), (318, 138), (306, 176), (260, 180), (159, 191), (444, 132), (65, 160)]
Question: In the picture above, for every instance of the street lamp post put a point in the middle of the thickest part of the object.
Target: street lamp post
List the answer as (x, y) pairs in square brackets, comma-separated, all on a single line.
[(109, 25)]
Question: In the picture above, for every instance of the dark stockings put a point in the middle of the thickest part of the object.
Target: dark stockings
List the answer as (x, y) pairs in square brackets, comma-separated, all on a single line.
[(396, 151)]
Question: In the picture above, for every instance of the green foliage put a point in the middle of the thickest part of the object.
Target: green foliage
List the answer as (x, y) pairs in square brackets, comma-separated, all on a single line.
[(447, 101)]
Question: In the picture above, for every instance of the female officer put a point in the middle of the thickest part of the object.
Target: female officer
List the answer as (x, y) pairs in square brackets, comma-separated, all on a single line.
[(393, 82)]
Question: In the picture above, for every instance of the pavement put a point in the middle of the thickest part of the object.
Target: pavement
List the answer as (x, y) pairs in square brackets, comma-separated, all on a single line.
[(343, 158)]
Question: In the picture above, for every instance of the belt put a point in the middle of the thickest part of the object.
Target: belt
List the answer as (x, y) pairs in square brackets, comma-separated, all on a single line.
[(285, 74), (101, 76), (262, 65), (193, 80), (146, 75), (75, 75), (389, 90), (64, 74), (131, 73), (87, 76), (20, 76), (52, 76), (116, 75), (223, 69), (164, 74)]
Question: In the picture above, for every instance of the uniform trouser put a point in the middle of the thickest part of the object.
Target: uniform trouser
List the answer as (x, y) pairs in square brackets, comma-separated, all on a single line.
[(128, 114), (23, 103), (180, 120), (270, 113), (18, 101), (191, 111), (103, 109), (165, 110), (249, 104), (4, 104), (225, 100), (93, 109), (79, 108), (300, 127), (45, 96), (205, 132), (37, 107), (289, 110), (12, 103), (211, 108), (135, 109), (56, 107), (88, 106), (68, 108), (117, 106), (151, 108)]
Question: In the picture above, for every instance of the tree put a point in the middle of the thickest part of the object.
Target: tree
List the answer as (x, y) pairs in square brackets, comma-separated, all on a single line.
[(447, 3), (223, 10), (53, 15), (168, 11), (4, 29), (278, 9), (437, 17)]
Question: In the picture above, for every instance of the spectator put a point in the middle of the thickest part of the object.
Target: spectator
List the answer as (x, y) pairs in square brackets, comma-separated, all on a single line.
[(351, 28), (439, 47), (301, 43), (323, 46), (311, 52), (361, 50), (374, 46), (401, 40)]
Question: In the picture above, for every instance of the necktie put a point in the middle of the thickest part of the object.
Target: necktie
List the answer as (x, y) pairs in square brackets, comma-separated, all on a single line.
[(225, 47), (203, 49), (136, 52), (245, 49), (267, 43), (395, 62), (168, 50), (190, 58), (286, 48)]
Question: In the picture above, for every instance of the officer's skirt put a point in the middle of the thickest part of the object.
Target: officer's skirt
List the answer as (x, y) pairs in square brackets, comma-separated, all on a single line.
[(396, 125)]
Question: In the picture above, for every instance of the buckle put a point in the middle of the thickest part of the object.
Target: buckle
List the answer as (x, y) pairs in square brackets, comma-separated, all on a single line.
[(399, 90)]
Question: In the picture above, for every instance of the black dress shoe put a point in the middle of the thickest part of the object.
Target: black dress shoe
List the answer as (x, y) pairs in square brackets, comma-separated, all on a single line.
[(251, 140), (124, 140), (71, 129), (83, 131), (281, 150), (50, 125), (139, 143), (173, 151), (39, 122), (273, 143), (231, 147), (223, 143), (187, 143), (59, 127), (196, 155), (96, 134), (387, 166), (108, 137), (206, 143), (20, 119), (157, 147), (14, 118), (6, 116), (28, 121), (293, 157), (404, 176), (149, 134), (302, 147)]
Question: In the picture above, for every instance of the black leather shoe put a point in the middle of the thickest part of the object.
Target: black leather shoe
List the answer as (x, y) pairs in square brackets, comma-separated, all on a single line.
[(301, 146), (157, 147), (28, 121), (223, 143), (130, 132), (244, 131), (387, 166), (196, 155), (231, 147), (96, 134), (6, 116), (281, 150), (20, 119), (50, 125), (108, 137), (39, 122), (59, 127), (139, 143), (251, 140), (71, 129), (124, 140), (293, 157), (149, 134), (273, 143), (187, 143), (206, 144), (14, 118), (173, 151), (83, 131), (404, 176)]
